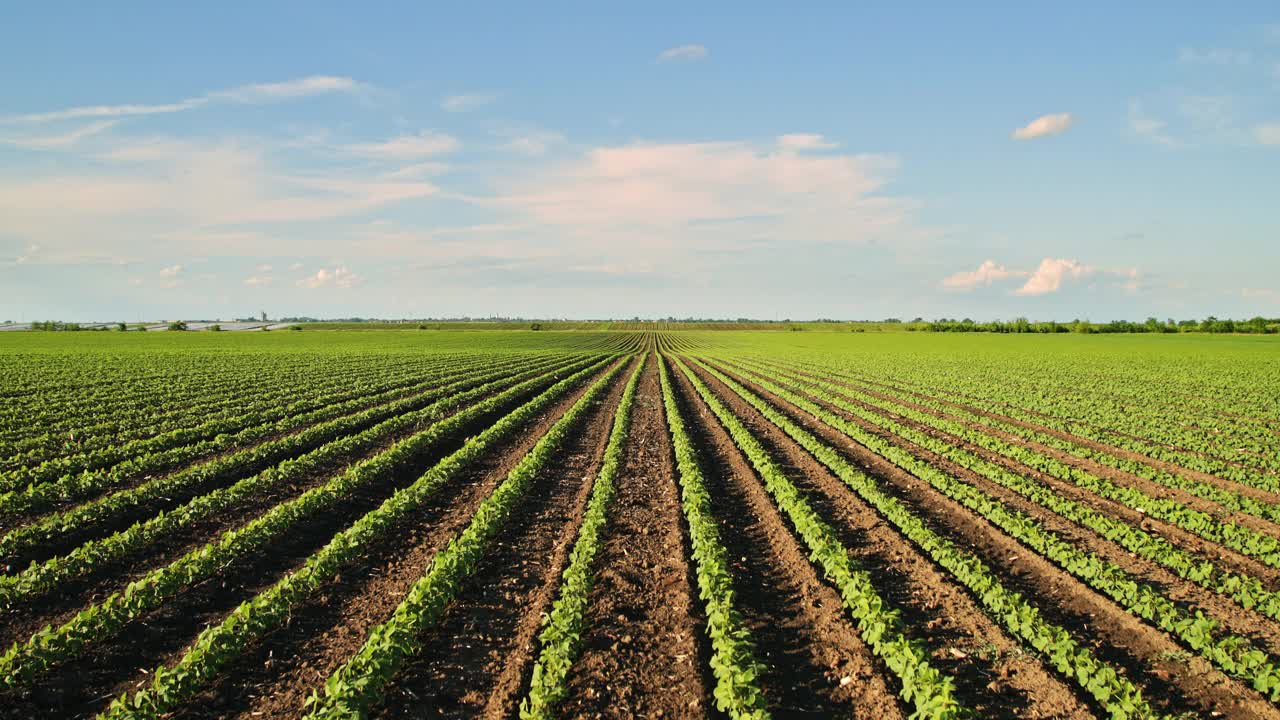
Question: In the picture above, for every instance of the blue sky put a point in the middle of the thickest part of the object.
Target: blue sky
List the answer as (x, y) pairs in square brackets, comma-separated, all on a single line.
[(565, 159)]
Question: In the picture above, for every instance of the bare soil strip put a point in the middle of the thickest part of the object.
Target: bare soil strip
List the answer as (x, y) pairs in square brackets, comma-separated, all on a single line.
[(993, 675), (1172, 680), (475, 661), (816, 664), (644, 650), (87, 684)]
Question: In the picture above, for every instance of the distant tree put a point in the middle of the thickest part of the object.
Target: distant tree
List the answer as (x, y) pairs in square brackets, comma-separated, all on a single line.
[(264, 316), (215, 328), (121, 327), (178, 325), (536, 326)]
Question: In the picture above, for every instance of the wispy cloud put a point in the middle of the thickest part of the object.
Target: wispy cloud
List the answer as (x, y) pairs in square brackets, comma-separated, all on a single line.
[(727, 194), (1045, 126), (265, 92), (258, 280), (467, 101), (60, 140), (287, 90), (1267, 134), (987, 273), (805, 141), (683, 52), (535, 143), (169, 277), (339, 277), (409, 147), (1148, 127), (1214, 56)]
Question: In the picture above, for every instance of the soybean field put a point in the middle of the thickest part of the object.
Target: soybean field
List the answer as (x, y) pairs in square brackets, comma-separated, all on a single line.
[(638, 524)]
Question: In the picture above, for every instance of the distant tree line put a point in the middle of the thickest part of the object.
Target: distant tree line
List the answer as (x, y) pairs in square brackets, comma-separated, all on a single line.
[(1256, 325)]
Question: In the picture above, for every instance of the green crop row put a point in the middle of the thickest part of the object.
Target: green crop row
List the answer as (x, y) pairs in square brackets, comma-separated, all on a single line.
[(1234, 654), (48, 576), (562, 637), (1023, 620), (929, 691), (733, 656), (211, 407), (48, 647), (43, 495), (358, 684), (1245, 590)]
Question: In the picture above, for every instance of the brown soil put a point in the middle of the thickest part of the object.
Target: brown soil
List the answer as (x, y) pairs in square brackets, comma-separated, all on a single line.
[(31, 615), (1111, 449), (113, 577), (475, 662), (1172, 682), (88, 683), (1121, 477), (993, 674), (644, 652), (1223, 556), (816, 664), (115, 522), (1189, 595), (124, 484)]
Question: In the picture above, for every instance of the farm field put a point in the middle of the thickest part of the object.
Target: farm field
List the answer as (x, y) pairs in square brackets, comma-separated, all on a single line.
[(673, 524)]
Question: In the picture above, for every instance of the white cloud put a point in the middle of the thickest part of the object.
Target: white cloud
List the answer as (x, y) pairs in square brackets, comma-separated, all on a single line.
[(161, 194), (533, 144), (287, 90), (1267, 134), (246, 94), (264, 268), (467, 101), (295, 267), (1048, 278), (1211, 113), (1268, 294), (28, 255), (1148, 127), (169, 276), (417, 170), (1214, 56), (683, 52), (339, 277), (409, 147), (644, 198), (805, 141), (60, 140), (1045, 126), (258, 280), (987, 273)]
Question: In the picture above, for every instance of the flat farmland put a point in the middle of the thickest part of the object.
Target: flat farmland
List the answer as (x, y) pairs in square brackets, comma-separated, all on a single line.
[(676, 523)]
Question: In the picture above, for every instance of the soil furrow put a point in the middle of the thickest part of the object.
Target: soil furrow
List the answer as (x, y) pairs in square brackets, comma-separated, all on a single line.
[(994, 675), (121, 664), (1172, 680), (816, 664), (1220, 554), (644, 653), (474, 663)]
